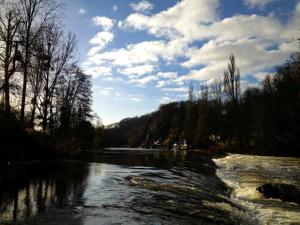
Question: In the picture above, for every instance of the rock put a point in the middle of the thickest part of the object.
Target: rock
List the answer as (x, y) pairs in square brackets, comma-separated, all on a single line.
[(133, 180), (284, 192)]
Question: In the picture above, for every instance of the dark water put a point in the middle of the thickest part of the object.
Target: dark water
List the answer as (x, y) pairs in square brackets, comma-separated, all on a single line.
[(118, 186)]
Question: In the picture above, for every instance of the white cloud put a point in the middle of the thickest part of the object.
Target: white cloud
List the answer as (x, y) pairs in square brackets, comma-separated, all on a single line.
[(184, 19), (252, 57), (168, 75), (105, 93), (104, 22), (94, 50), (98, 71), (81, 11), (162, 83), (143, 81), (168, 79), (177, 89), (115, 8), (120, 24), (142, 6), (267, 28), (247, 36), (112, 79), (258, 3), (101, 40), (135, 99), (147, 52), (258, 42), (137, 71)]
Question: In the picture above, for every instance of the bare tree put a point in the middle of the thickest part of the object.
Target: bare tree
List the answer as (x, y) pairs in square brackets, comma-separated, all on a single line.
[(216, 90), (62, 61), (191, 93), (58, 54), (35, 78), (232, 84), (34, 16), (9, 54), (189, 125), (76, 98), (232, 89)]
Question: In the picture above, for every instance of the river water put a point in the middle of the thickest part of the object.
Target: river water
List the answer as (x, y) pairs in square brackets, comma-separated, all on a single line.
[(130, 186), (244, 173)]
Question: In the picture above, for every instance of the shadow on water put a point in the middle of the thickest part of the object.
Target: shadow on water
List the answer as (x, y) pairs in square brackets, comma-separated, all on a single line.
[(117, 186)]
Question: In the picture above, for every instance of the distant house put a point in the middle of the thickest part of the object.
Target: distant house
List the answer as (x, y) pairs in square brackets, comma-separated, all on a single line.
[(181, 145)]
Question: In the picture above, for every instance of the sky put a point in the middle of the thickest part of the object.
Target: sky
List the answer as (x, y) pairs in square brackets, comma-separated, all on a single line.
[(144, 53)]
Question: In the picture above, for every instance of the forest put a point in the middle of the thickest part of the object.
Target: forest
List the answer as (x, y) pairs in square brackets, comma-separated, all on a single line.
[(262, 119), (46, 98)]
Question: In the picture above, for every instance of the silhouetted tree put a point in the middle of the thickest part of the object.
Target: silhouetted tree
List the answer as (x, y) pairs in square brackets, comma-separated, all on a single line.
[(232, 90), (9, 54), (189, 122), (232, 84), (202, 131), (34, 16)]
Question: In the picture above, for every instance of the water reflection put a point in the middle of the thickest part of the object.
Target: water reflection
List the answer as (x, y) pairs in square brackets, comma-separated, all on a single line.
[(28, 190)]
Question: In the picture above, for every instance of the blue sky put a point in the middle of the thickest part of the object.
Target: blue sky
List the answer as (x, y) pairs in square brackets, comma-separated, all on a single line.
[(145, 53)]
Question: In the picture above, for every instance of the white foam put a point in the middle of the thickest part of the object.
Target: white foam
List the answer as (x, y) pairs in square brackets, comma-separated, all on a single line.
[(245, 173)]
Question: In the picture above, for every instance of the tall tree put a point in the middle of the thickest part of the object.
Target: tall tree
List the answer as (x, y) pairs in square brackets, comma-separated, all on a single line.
[(232, 90), (9, 54), (34, 16), (76, 98), (202, 130), (232, 84), (216, 108), (54, 57), (189, 124)]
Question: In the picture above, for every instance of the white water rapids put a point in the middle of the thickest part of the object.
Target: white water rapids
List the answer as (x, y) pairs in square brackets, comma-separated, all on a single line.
[(244, 173)]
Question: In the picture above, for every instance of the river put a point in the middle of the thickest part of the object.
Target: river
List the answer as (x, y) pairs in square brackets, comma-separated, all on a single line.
[(244, 173), (130, 186)]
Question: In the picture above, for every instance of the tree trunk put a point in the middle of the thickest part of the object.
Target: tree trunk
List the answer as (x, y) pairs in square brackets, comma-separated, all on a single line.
[(26, 62), (46, 101), (6, 67)]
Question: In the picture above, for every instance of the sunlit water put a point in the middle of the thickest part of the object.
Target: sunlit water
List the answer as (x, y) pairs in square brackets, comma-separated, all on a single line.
[(245, 173), (128, 186)]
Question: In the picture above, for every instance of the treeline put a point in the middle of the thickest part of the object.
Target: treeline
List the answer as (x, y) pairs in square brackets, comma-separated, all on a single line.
[(262, 119), (42, 87)]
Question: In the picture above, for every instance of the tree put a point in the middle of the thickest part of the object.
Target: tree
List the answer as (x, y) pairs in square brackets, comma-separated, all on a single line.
[(76, 98), (52, 57), (34, 15), (216, 108), (34, 45), (232, 90), (9, 54), (202, 130), (232, 84), (189, 124)]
